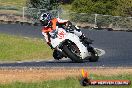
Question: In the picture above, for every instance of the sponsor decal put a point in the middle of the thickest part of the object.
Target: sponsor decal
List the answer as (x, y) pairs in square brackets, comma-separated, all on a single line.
[(61, 34)]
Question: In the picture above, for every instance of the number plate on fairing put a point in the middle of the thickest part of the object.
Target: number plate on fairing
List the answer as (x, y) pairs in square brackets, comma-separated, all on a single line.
[(61, 34)]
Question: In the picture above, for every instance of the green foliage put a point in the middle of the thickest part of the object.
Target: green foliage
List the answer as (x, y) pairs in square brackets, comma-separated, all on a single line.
[(82, 6), (42, 4), (107, 7), (65, 1), (123, 8)]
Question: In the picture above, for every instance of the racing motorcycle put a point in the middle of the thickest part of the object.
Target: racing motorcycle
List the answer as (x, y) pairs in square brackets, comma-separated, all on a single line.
[(67, 44)]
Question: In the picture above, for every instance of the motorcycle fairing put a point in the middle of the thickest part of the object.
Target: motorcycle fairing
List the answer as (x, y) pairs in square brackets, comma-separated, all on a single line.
[(62, 35)]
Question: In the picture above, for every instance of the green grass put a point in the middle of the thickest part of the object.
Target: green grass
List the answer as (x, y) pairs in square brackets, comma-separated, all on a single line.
[(13, 3), (66, 7), (12, 6), (67, 83), (16, 48)]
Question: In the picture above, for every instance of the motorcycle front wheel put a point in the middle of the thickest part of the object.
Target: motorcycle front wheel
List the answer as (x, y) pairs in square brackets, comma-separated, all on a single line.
[(94, 55)]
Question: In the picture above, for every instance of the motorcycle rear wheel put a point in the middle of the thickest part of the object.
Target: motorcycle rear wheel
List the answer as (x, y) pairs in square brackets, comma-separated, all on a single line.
[(71, 55)]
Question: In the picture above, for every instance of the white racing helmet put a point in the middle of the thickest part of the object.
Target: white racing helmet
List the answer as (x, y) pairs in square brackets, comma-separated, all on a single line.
[(45, 19)]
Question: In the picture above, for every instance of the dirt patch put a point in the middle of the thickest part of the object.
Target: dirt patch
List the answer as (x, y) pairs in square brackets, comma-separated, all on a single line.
[(35, 75)]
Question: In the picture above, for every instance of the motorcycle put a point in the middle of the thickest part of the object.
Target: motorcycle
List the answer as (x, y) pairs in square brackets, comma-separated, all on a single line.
[(69, 45)]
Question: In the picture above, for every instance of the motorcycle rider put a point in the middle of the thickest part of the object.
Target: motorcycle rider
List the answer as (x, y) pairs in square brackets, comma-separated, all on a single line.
[(49, 24)]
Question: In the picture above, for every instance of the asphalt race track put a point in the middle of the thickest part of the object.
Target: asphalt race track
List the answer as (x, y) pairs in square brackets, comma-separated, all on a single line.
[(117, 45)]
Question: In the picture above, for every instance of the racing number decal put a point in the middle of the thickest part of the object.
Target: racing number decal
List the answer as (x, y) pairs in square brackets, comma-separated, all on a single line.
[(61, 35)]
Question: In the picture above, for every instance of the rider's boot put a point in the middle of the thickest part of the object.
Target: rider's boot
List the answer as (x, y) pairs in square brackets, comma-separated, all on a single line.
[(85, 39)]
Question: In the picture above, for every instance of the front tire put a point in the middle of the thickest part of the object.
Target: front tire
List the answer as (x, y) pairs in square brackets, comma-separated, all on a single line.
[(57, 55), (71, 55), (94, 56)]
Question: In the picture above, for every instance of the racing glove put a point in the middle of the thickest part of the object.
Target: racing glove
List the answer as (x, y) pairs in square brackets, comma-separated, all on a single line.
[(69, 27)]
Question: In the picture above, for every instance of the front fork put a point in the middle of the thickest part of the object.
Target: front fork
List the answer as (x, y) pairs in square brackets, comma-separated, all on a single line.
[(89, 48)]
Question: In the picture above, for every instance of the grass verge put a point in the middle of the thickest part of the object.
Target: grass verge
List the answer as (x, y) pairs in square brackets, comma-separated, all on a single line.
[(16, 48), (13, 3), (29, 75), (12, 6), (70, 82)]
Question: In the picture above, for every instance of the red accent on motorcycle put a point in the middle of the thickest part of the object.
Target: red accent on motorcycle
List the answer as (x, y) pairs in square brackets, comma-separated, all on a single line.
[(61, 35)]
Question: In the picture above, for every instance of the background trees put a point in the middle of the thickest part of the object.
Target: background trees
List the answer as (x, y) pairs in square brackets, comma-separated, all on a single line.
[(43, 4), (107, 7)]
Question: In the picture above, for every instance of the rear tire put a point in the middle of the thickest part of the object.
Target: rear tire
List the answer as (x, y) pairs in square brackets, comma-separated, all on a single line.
[(71, 55)]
